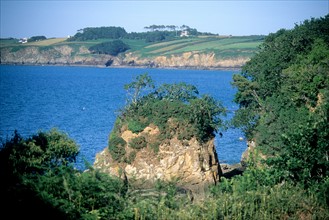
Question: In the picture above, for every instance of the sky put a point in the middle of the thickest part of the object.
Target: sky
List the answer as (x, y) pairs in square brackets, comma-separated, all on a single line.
[(51, 18)]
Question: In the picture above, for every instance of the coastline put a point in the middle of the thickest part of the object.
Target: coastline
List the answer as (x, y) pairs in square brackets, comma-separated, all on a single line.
[(127, 66)]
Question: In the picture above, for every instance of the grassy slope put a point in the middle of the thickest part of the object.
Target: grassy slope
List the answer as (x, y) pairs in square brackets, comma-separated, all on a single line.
[(223, 47)]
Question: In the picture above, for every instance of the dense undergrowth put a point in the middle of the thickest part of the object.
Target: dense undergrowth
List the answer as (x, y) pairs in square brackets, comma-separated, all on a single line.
[(34, 187)]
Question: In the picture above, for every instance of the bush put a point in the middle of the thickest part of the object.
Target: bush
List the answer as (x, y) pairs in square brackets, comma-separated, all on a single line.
[(117, 147), (136, 126), (131, 157), (138, 142)]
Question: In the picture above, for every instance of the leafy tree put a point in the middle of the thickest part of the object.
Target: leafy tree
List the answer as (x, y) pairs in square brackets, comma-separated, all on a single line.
[(23, 161), (135, 88), (112, 48), (38, 153), (94, 33), (174, 108), (283, 97), (36, 38), (205, 113), (180, 91), (155, 36)]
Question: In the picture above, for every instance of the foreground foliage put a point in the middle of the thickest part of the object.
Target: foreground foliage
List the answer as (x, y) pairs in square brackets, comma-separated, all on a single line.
[(62, 192)]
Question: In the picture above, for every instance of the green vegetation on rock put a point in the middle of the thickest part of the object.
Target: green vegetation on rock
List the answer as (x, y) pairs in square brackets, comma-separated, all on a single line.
[(176, 109)]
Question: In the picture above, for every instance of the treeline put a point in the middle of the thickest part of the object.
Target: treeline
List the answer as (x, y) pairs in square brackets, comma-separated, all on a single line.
[(36, 38), (155, 33), (94, 33), (112, 48), (283, 93)]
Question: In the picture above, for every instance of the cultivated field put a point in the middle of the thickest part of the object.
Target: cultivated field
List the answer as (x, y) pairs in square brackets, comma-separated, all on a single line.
[(221, 46)]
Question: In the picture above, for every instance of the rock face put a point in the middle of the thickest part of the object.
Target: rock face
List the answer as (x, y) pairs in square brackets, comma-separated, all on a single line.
[(62, 55), (192, 59), (192, 165), (68, 55)]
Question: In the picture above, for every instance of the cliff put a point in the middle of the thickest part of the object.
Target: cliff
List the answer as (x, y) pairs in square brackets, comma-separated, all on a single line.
[(192, 59), (80, 55), (193, 165), (61, 55)]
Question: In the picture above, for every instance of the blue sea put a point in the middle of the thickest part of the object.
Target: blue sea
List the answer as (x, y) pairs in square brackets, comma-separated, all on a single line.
[(85, 101)]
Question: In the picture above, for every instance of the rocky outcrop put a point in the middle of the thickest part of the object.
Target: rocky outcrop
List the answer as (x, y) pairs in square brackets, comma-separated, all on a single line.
[(70, 55), (192, 59), (192, 165), (61, 55)]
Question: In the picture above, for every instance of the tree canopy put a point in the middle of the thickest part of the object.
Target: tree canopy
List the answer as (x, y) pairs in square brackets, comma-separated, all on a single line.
[(36, 38), (112, 48), (283, 93), (176, 109), (94, 33)]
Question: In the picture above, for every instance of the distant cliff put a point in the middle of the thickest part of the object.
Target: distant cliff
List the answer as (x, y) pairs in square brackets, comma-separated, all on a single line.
[(70, 55), (61, 55)]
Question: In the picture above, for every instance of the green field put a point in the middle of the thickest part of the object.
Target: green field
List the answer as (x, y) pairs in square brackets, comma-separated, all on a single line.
[(224, 47), (228, 46)]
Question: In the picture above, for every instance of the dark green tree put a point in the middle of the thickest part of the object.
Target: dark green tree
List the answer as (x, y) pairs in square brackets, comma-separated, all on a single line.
[(112, 48), (36, 38), (283, 97), (136, 88)]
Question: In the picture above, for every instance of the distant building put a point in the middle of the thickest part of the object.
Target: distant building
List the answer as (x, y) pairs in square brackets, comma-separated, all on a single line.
[(23, 40), (184, 33)]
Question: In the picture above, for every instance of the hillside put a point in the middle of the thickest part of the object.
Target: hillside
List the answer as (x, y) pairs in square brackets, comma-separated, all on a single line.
[(206, 51)]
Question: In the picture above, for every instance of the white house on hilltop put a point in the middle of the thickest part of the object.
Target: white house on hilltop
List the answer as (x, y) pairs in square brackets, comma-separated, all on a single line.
[(184, 33), (23, 40)]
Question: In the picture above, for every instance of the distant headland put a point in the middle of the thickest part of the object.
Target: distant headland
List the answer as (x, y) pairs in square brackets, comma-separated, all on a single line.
[(161, 46)]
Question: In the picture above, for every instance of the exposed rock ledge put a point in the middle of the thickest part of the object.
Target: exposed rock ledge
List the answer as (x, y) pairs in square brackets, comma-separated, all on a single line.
[(67, 55), (192, 165)]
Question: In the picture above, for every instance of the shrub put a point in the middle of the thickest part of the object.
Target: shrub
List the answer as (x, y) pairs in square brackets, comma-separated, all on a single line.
[(138, 142), (131, 157), (155, 146), (117, 147), (136, 126)]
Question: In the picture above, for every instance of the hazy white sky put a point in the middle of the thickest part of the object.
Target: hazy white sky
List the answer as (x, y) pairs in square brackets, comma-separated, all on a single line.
[(23, 18)]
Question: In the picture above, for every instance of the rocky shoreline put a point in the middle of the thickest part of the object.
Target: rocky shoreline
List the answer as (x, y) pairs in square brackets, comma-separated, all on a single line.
[(69, 56), (123, 66)]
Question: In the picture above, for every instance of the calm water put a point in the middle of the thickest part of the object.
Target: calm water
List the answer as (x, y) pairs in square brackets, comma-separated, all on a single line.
[(84, 102)]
